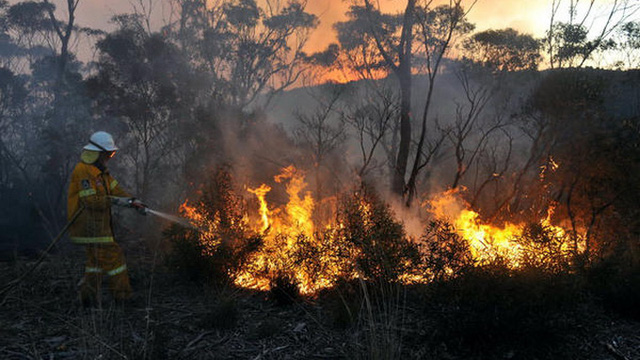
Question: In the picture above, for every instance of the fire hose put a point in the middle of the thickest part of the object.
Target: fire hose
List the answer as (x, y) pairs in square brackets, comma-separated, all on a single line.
[(10, 286), (146, 210)]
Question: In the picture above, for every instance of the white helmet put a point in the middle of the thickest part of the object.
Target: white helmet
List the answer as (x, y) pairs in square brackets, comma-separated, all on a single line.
[(101, 141)]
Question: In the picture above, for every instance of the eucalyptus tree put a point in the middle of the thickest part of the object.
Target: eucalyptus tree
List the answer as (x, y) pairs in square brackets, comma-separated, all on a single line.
[(588, 29), (504, 50), (248, 50), (145, 83), (628, 43), (494, 62), (414, 41), (35, 45)]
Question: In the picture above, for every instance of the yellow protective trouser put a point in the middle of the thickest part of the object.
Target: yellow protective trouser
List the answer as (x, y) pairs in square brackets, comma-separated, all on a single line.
[(105, 259)]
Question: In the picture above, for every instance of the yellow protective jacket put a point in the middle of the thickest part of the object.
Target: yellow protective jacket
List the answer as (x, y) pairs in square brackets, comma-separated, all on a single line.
[(92, 187)]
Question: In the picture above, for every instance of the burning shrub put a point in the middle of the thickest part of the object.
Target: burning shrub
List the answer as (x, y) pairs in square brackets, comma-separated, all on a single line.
[(282, 249), (445, 253), (262, 249), (222, 242), (382, 250), (535, 244), (544, 248)]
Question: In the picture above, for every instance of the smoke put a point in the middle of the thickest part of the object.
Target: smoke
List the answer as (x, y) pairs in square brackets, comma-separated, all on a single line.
[(500, 14)]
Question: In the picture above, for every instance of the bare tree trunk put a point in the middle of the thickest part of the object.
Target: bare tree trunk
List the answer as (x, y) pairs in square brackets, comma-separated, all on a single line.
[(399, 186), (434, 60), (64, 35), (402, 70)]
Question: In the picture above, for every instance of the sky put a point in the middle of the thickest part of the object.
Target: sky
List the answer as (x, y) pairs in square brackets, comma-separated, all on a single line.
[(528, 16)]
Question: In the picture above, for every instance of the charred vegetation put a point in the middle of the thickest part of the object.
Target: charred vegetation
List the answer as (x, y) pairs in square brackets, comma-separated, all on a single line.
[(457, 194)]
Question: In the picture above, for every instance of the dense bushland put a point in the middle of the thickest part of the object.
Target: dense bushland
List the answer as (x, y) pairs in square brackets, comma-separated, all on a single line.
[(486, 310)]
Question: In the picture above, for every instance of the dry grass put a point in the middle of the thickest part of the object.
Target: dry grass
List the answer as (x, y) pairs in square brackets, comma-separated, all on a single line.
[(171, 319), (177, 319)]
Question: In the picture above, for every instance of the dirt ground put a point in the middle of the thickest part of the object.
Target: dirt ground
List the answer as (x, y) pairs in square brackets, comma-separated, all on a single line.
[(172, 318)]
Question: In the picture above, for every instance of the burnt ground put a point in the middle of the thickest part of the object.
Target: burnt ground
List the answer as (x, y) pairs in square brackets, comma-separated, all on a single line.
[(173, 318)]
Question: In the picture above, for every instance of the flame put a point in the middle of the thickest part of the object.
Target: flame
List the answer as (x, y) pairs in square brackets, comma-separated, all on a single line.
[(285, 230), (260, 193), (488, 242), (550, 166), (290, 237), (485, 240), (298, 209)]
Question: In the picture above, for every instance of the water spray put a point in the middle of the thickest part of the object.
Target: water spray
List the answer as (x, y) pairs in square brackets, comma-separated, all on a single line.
[(147, 210), (173, 218)]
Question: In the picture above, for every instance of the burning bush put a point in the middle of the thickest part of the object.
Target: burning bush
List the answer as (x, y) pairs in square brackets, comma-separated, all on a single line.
[(445, 253), (544, 248), (258, 245), (221, 243), (538, 243), (283, 243), (381, 248)]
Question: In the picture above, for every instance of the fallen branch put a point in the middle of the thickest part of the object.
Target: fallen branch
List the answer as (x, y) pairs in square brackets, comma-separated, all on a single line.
[(615, 352), (196, 340)]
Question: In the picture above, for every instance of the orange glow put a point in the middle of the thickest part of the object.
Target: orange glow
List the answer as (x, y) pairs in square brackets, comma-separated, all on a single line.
[(529, 17), (298, 209), (314, 257), (260, 193), (489, 242), (340, 73)]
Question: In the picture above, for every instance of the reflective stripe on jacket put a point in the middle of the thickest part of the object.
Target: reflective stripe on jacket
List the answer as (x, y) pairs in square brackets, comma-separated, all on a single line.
[(91, 187)]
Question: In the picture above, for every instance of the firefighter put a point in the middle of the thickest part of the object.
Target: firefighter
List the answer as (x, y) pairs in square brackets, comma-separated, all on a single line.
[(95, 190)]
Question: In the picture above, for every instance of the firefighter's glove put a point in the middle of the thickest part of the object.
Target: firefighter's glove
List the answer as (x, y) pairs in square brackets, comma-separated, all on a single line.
[(138, 205), (120, 201)]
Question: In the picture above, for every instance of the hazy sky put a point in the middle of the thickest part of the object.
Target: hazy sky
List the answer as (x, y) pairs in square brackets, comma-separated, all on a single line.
[(529, 16)]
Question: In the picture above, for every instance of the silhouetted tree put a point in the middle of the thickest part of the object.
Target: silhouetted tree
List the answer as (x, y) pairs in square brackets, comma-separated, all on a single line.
[(145, 81), (54, 116), (321, 132), (390, 43), (247, 49), (504, 50), (374, 120), (629, 44), (568, 43)]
